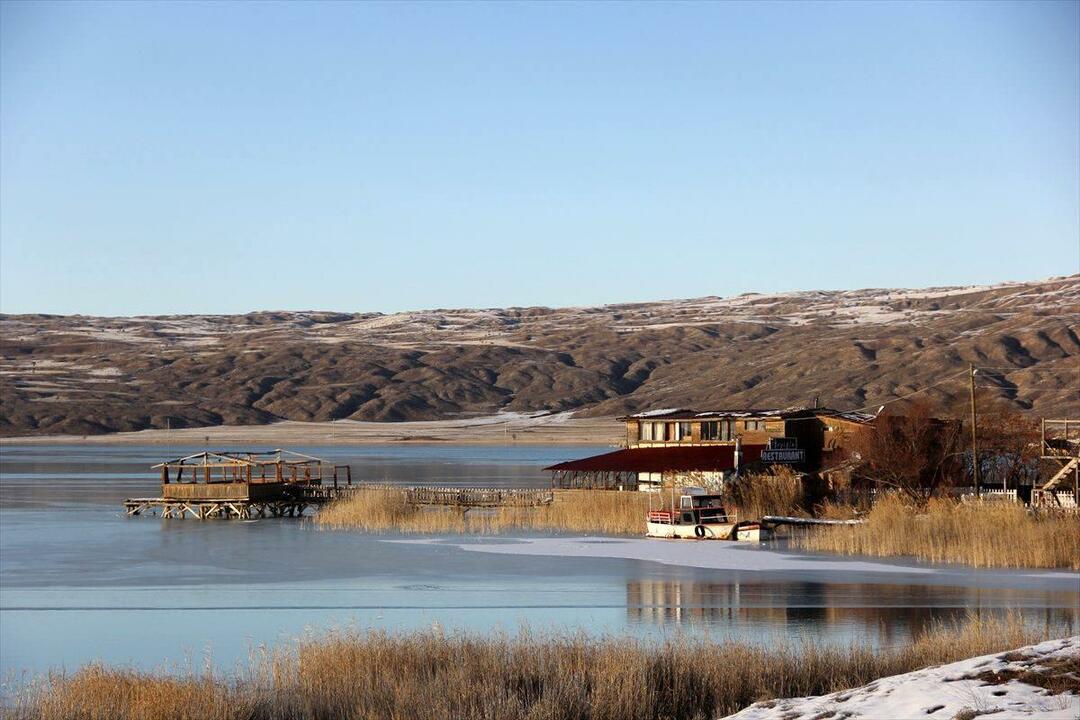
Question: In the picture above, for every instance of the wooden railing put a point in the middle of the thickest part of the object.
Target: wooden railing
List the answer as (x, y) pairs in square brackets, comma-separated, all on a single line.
[(461, 497)]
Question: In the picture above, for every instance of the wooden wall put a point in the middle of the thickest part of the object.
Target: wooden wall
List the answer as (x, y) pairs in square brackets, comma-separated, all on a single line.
[(222, 491), (773, 428)]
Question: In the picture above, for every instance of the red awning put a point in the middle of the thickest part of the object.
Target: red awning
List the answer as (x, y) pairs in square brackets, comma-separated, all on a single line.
[(699, 458)]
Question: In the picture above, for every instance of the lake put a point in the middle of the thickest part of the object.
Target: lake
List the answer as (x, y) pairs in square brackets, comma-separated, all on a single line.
[(79, 581)]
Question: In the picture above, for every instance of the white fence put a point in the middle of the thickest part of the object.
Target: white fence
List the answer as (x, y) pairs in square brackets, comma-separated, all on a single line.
[(1054, 499)]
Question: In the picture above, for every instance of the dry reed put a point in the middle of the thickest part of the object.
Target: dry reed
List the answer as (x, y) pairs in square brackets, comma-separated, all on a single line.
[(778, 492), (589, 511), (429, 676), (991, 534)]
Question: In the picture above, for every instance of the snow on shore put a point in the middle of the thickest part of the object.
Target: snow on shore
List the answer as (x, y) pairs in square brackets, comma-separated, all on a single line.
[(715, 555), (990, 685)]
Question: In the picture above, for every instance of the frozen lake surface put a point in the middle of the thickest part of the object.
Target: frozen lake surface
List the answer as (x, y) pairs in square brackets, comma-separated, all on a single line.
[(79, 581)]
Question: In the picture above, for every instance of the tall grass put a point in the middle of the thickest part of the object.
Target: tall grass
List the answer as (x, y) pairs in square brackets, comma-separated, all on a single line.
[(604, 512), (591, 511), (779, 492), (428, 676), (993, 534)]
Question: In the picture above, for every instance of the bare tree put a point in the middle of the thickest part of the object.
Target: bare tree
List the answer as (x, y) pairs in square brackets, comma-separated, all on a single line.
[(1008, 441), (1009, 447), (915, 453)]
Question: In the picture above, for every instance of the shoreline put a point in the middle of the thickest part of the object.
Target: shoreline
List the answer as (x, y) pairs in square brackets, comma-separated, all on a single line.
[(503, 429)]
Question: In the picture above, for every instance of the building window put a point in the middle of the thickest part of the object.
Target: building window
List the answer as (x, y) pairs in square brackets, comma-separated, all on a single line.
[(654, 432), (710, 431), (684, 431), (727, 429), (718, 430), (754, 425)]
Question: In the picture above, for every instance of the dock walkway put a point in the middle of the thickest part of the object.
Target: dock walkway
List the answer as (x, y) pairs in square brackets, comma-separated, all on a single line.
[(294, 500)]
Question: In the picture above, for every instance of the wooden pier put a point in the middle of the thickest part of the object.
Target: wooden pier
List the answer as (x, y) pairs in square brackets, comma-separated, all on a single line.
[(242, 485), (280, 483), (777, 520)]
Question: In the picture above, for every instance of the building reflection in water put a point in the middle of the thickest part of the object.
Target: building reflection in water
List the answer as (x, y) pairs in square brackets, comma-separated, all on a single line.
[(884, 613)]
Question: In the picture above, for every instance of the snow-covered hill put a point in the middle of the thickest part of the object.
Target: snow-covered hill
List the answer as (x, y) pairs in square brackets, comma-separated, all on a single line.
[(851, 349)]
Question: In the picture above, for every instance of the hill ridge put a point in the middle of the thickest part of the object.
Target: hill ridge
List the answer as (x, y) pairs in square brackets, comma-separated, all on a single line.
[(83, 374)]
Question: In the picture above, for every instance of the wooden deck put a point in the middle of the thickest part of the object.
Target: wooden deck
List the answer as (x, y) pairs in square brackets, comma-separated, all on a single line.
[(242, 485), (225, 500)]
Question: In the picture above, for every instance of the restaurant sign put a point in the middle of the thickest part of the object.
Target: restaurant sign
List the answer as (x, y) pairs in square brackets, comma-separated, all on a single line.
[(783, 451)]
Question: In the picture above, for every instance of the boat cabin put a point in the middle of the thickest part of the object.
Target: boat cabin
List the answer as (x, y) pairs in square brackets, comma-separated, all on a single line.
[(697, 507), (701, 515)]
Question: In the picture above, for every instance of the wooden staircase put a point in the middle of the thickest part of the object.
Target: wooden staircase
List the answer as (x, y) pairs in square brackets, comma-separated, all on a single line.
[(1060, 443), (1061, 475)]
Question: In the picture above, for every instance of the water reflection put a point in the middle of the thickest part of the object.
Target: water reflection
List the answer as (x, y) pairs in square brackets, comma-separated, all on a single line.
[(887, 613)]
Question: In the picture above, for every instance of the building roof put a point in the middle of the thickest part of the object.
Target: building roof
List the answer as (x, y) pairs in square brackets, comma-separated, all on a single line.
[(243, 458), (700, 458), (859, 417), (781, 413)]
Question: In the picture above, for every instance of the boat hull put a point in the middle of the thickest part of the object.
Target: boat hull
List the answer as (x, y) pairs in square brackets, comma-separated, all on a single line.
[(708, 531)]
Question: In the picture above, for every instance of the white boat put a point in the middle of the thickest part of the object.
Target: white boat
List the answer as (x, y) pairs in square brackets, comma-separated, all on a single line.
[(702, 517)]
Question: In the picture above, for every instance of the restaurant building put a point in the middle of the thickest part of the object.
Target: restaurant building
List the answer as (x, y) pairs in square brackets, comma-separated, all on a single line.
[(706, 448)]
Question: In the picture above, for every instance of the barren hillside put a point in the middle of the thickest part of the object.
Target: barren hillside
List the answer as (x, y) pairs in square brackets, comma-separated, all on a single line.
[(85, 375)]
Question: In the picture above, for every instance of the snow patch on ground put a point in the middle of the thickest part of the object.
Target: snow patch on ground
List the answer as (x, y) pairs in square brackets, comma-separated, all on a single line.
[(946, 691), (742, 557)]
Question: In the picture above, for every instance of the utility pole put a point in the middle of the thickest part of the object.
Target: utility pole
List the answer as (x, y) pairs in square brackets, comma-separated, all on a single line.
[(974, 441)]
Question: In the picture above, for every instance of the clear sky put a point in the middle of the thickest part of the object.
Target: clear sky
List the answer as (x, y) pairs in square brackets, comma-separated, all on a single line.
[(168, 158)]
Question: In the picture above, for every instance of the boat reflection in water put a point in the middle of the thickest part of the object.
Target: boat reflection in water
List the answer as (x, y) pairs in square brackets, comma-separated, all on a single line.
[(882, 613)]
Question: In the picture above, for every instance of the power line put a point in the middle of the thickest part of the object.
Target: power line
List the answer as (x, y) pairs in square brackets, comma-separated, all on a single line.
[(946, 379), (1013, 368), (914, 392)]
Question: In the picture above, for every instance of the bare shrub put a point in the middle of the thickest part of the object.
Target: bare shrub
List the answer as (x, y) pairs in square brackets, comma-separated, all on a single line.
[(914, 453)]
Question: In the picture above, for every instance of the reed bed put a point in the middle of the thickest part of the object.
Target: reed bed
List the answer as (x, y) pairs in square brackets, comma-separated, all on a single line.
[(603, 512), (429, 676), (990, 534), (779, 492)]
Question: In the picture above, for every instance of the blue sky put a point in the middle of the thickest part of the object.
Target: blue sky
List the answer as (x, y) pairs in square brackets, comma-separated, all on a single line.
[(175, 158)]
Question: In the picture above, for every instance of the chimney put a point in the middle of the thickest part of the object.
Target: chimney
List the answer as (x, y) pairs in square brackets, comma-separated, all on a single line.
[(817, 402)]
